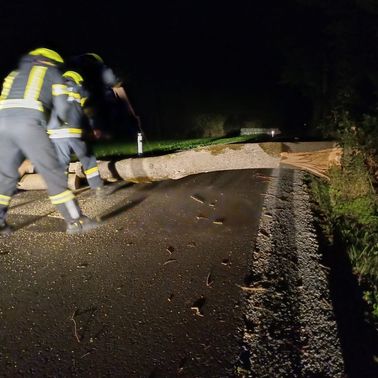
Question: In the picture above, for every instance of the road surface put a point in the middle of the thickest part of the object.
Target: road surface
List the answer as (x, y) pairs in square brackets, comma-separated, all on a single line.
[(176, 282)]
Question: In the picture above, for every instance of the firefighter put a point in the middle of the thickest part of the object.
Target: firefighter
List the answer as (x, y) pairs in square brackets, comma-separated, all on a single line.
[(107, 100), (68, 137), (28, 96), (99, 78)]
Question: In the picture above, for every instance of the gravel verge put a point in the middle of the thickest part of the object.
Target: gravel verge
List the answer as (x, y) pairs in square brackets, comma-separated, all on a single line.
[(290, 327)]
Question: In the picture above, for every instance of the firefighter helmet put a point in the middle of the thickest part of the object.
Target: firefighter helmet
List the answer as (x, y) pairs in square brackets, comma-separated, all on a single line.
[(95, 56), (47, 53), (75, 76)]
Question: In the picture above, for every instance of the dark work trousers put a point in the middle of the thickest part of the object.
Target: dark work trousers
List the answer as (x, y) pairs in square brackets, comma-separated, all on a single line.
[(22, 137), (64, 147)]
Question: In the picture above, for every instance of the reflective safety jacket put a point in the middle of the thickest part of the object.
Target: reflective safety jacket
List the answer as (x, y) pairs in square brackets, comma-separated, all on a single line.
[(76, 119), (33, 90)]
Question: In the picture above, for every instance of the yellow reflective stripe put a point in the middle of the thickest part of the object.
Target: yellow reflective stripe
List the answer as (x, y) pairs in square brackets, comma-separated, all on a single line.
[(69, 130), (75, 95), (62, 197), (7, 85), (4, 200), (83, 101), (91, 170), (21, 103), (59, 89), (35, 82)]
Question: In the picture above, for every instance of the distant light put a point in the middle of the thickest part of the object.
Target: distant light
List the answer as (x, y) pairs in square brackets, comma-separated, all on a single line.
[(272, 133)]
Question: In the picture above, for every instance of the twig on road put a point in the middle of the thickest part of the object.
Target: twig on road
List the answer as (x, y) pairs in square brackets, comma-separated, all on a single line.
[(197, 198), (169, 261), (209, 280), (251, 289), (75, 326)]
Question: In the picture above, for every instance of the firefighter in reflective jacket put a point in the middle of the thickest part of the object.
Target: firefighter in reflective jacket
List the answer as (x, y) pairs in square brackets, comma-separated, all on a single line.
[(28, 96), (68, 137)]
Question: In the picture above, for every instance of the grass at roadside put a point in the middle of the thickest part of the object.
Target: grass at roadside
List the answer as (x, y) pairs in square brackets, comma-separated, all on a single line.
[(129, 148), (349, 203)]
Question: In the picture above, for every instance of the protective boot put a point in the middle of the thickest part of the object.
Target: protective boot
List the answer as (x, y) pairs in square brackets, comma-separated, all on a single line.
[(101, 192), (104, 191), (77, 223), (81, 225)]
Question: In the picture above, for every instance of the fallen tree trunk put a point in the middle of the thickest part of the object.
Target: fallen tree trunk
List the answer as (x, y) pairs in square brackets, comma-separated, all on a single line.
[(314, 157)]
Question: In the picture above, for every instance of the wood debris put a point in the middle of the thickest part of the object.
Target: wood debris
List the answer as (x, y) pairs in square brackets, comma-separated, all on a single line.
[(252, 289), (170, 249), (316, 162), (197, 198), (226, 262), (197, 306), (169, 261), (75, 326), (201, 216), (196, 310), (209, 280)]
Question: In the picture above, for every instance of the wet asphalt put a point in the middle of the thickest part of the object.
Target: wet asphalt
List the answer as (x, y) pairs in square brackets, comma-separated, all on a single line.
[(154, 292)]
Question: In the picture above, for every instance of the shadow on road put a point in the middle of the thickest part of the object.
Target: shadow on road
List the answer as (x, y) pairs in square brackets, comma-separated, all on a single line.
[(23, 221), (119, 208)]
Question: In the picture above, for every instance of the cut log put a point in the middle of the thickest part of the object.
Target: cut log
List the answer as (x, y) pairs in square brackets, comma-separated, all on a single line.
[(25, 167)]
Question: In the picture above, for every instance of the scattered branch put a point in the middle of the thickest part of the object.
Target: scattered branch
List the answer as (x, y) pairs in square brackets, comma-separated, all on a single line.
[(252, 289), (75, 326)]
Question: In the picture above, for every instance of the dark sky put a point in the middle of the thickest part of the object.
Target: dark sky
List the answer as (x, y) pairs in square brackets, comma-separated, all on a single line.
[(185, 39), (232, 51)]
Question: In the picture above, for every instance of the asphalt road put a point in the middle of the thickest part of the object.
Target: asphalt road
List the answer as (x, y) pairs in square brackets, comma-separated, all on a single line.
[(152, 293)]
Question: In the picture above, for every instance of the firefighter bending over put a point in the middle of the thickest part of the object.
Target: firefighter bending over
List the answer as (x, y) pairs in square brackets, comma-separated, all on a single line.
[(28, 96), (107, 99), (68, 137)]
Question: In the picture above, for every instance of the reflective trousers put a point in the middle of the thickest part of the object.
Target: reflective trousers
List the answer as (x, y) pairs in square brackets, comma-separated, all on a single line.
[(65, 146), (25, 137)]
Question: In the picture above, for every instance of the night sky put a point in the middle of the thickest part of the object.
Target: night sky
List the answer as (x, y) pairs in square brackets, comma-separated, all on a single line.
[(179, 57)]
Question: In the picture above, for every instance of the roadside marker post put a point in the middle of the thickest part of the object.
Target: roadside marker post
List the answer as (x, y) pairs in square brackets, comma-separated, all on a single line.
[(140, 144)]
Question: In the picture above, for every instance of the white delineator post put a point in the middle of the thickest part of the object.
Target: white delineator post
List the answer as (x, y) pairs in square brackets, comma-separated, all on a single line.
[(140, 144)]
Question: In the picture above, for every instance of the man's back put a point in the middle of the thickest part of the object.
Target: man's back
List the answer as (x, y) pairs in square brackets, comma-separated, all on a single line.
[(32, 89)]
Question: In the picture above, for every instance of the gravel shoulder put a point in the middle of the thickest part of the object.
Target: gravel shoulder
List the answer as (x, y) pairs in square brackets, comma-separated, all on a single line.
[(290, 327)]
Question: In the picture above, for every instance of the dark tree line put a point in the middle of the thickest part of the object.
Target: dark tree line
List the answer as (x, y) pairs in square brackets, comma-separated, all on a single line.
[(334, 62)]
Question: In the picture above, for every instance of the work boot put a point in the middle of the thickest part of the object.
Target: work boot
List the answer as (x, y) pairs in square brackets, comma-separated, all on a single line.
[(5, 229), (102, 191), (81, 225)]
